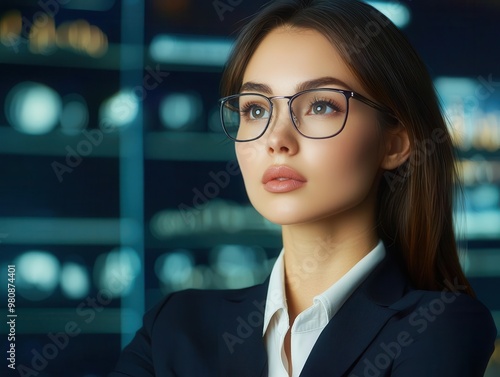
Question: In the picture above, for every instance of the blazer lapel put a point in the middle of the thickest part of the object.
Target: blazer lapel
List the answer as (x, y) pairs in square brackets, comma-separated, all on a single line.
[(357, 322), (241, 346)]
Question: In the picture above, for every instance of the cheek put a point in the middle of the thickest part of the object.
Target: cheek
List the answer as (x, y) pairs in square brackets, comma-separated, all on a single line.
[(244, 154), (247, 156), (353, 161), (363, 153), (248, 160)]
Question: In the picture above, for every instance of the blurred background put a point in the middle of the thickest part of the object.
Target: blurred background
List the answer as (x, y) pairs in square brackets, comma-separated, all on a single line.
[(118, 187)]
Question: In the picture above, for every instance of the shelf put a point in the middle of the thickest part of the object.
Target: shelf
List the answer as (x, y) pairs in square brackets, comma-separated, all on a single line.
[(61, 58), (53, 144), (473, 153), (171, 146)]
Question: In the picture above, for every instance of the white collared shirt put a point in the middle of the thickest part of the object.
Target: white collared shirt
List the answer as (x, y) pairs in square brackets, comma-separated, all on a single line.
[(308, 325)]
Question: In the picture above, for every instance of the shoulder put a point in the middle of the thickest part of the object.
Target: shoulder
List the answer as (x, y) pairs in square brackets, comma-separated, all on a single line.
[(448, 315), (193, 304), (181, 324), (453, 332), (445, 315), (453, 299), (447, 308)]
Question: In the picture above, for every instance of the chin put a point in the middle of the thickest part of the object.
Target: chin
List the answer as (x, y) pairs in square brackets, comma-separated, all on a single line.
[(293, 212), (281, 214), (290, 215)]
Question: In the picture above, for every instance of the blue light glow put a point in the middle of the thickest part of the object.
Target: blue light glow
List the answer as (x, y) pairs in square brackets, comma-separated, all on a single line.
[(33, 108), (120, 110), (397, 12), (175, 268), (75, 282), (75, 115), (237, 266), (180, 110), (116, 271), (185, 50), (37, 274)]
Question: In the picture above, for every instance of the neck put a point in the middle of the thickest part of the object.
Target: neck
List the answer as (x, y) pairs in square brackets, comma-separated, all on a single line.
[(318, 254)]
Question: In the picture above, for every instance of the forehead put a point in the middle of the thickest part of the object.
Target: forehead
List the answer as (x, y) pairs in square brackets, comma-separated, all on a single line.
[(288, 56)]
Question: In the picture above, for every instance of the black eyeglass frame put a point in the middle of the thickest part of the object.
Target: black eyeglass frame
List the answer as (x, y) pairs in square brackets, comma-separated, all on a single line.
[(347, 93)]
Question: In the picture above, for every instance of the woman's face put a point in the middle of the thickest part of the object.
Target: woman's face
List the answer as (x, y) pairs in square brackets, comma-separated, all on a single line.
[(291, 179)]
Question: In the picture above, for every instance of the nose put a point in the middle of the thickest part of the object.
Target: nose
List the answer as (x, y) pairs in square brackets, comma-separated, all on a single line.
[(281, 136)]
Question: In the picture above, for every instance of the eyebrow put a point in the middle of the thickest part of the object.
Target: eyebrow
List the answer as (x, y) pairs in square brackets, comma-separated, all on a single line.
[(306, 85)]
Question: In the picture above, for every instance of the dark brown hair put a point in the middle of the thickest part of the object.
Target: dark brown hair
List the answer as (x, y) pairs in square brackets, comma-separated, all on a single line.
[(414, 201)]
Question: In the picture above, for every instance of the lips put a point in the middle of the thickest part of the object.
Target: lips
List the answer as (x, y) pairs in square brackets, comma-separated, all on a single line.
[(281, 178)]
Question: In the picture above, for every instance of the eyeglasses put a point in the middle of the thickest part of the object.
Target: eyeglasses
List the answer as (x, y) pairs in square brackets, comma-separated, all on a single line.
[(315, 113)]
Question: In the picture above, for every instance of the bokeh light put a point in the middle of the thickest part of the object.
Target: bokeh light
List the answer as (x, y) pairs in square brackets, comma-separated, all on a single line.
[(37, 274), (175, 269), (75, 282), (75, 115), (11, 25), (42, 36), (397, 12), (186, 50), (33, 108), (119, 110), (214, 123), (82, 37), (238, 266), (180, 110), (116, 271)]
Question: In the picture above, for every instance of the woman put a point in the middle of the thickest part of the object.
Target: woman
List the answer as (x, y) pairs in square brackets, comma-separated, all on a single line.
[(341, 141)]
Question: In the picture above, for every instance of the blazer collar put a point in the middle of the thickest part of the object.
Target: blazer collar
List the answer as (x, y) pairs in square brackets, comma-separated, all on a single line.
[(348, 333), (241, 346), (358, 321)]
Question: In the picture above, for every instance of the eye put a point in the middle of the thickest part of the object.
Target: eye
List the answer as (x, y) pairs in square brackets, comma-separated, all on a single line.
[(323, 108), (255, 112)]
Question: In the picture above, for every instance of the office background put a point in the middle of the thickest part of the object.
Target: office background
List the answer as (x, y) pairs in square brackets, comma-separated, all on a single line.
[(117, 185)]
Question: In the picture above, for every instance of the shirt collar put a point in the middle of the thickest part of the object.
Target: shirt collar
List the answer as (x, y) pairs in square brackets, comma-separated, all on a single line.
[(334, 297), (276, 298), (331, 300)]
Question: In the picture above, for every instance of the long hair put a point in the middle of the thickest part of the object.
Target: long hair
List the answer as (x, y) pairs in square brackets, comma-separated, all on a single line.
[(415, 201)]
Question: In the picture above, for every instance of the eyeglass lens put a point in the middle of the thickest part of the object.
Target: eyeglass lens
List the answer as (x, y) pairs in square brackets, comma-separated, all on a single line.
[(316, 114)]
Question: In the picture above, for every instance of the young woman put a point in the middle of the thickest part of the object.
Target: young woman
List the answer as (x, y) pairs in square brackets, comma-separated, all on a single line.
[(340, 139)]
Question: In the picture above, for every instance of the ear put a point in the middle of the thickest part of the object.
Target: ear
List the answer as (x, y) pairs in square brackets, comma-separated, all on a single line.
[(397, 147)]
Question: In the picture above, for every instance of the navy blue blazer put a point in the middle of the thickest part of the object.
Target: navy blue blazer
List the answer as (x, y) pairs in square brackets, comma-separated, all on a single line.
[(385, 328)]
